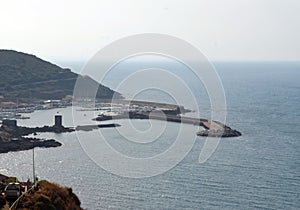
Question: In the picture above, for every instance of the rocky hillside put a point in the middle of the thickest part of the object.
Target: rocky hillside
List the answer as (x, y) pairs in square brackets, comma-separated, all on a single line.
[(24, 77), (50, 196)]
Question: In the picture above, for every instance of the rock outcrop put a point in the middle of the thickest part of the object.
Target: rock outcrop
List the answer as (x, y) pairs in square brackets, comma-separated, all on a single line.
[(227, 132), (50, 196), (13, 138)]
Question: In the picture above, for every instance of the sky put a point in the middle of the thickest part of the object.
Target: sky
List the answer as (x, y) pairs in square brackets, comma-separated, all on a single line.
[(223, 30)]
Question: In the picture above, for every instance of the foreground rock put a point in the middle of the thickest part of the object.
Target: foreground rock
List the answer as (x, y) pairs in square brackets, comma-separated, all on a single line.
[(49, 196)]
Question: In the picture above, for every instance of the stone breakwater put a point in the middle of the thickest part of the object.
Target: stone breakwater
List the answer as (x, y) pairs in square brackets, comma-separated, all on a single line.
[(217, 129), (93, 127), (212, 128)]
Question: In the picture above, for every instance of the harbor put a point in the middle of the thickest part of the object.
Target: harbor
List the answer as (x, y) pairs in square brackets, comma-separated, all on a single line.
[(164, 112)]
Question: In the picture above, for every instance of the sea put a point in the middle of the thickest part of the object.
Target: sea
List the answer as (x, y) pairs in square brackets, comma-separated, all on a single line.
[(258, 170)]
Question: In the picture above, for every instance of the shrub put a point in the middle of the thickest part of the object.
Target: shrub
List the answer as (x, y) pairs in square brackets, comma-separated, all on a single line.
[(51, 196), (43, 206)]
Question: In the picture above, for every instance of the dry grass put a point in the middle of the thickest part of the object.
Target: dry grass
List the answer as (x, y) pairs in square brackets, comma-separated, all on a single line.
[(50, 196)]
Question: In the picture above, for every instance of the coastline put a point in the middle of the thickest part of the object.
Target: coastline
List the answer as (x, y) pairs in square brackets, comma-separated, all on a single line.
[(13, 137), (27, 144)]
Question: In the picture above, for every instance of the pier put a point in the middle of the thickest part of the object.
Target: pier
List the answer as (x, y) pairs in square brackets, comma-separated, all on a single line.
[(212, 128)]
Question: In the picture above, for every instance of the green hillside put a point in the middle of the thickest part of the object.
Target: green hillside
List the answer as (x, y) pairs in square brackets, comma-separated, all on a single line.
[(27, 77)]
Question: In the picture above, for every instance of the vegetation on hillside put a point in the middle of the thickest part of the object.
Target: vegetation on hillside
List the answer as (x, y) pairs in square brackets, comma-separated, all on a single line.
[(26, 77), (50, 196)]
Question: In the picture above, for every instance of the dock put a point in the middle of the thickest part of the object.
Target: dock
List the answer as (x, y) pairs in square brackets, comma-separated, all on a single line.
[(212, 128)]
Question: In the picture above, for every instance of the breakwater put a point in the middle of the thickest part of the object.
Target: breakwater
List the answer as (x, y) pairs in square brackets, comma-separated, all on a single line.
[(212, 128)]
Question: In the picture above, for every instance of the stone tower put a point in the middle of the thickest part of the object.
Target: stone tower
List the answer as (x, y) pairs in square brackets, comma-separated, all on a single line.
[(58, 121)]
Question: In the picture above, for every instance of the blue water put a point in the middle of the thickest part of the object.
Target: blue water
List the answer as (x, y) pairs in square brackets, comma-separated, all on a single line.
[(260, 169)]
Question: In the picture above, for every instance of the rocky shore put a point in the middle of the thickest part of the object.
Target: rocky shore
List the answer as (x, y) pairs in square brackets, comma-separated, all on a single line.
[(219, 133), (14, 138), (26, 144)]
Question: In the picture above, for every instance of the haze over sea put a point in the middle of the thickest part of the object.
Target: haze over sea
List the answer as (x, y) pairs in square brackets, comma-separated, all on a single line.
[(260, 169)]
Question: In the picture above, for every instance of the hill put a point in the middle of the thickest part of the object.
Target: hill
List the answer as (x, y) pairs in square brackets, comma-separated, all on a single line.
[(26, 77), (47, 196)]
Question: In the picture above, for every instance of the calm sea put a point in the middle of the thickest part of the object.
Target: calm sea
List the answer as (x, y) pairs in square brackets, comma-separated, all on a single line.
[(259, 170)]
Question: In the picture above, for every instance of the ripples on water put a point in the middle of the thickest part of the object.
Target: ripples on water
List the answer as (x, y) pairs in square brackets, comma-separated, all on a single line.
[(258, 170)]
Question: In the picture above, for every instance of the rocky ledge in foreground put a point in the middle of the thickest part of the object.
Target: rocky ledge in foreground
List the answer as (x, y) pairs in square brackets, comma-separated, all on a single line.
[(49, 196)]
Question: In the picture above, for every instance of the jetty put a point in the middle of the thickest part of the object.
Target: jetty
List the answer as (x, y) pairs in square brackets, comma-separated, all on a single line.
[(93, 127), (212, 128)]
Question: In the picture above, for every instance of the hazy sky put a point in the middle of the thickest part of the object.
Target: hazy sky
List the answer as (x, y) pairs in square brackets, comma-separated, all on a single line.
[(222, 29)]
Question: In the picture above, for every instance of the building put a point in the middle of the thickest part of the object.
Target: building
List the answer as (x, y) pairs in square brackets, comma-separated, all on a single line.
[(58, 121)]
